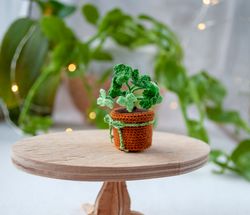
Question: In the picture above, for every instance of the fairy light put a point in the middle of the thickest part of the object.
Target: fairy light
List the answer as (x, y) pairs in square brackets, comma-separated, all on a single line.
[(201, 26), (173, 105), (92, 115), (206, 2), (68, 129), (72, 67), (14, 88)]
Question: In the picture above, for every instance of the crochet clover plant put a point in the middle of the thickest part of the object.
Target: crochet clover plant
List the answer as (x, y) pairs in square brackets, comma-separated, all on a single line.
[(130, 90)]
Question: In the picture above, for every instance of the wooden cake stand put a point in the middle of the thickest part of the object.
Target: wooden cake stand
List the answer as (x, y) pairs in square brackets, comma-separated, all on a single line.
[(89, 156)]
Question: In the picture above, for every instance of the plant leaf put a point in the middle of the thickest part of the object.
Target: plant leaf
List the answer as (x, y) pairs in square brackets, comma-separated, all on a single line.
[(219, 115), (9, 44), (90, 13), (104, 101), (102, 93), (241, 158), (216, 154), (109, 103), (33, 124), (196, 129), (131, 99), (209, 88), (55, 29), (174, 76), (56, 8), (102, 56), (122, 101)]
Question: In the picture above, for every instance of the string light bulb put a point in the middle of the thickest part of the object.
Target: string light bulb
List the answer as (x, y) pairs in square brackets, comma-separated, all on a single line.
[(92, 115), (201, 26), (72, 67), (68, 129), (14, 88)]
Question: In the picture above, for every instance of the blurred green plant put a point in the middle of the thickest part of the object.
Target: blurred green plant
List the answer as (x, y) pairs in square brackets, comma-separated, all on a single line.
[(34, 53)]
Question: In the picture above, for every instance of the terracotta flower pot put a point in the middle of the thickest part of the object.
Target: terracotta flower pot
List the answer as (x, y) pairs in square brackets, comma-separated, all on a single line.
[(79, 94), (136, 138)]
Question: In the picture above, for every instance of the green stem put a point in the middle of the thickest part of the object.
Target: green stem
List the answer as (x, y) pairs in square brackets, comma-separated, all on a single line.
[(27, 103), (183, 111), (135, 89), (128, 87), (92, 39), (102, 40), (139, 97), (197, 101), (226, 166)]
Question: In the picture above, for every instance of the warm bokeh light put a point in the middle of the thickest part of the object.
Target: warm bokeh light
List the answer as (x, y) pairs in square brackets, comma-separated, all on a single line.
[(92, 115), (72, 67), (14, 88), (201, 26), (206, 2), (173, 105), (68, 129), (214, 2)]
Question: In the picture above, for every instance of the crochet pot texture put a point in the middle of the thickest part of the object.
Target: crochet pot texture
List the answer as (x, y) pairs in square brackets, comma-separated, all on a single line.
[(137, 137)]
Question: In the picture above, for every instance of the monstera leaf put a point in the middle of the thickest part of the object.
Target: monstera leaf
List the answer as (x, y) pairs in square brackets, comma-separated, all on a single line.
[(23, 53)]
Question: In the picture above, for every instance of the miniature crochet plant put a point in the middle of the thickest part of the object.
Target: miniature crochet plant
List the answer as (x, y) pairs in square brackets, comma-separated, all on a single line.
[(130, 89), (136, 94)]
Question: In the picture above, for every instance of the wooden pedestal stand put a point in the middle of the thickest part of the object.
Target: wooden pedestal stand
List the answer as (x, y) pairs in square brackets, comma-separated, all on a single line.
[(115, 192), (89, 156)]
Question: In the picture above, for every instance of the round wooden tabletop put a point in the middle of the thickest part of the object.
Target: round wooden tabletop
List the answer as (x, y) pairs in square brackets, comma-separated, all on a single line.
[(90, 156)]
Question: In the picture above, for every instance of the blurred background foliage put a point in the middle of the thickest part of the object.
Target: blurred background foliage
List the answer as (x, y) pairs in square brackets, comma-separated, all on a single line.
[(36, 54)]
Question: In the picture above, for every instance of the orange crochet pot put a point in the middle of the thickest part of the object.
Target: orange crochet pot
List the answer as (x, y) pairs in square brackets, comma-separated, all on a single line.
[(135, 139)]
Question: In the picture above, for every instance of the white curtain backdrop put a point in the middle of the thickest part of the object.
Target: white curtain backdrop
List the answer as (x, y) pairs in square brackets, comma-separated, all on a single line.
[(11, 10)]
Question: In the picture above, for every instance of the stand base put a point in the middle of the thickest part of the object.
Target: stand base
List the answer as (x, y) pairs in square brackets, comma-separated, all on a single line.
[(113, 199)]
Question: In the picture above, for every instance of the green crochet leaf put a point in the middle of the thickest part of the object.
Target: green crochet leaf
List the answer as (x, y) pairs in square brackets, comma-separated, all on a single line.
[(128, 101), (135, 76), (151, 96), (131, 99), (102, 93), (123, 73), (121, 101), (105, 101), (144, 81)]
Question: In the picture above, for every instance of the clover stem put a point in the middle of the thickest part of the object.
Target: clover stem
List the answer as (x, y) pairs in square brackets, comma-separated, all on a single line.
[(139, 97), (128, 87), (138, 88)]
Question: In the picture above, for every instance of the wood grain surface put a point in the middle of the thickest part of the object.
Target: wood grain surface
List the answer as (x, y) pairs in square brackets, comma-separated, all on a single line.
[(89, 155)]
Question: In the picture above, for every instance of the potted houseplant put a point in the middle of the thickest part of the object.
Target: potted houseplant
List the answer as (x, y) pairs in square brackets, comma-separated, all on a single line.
[(132, 122)]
